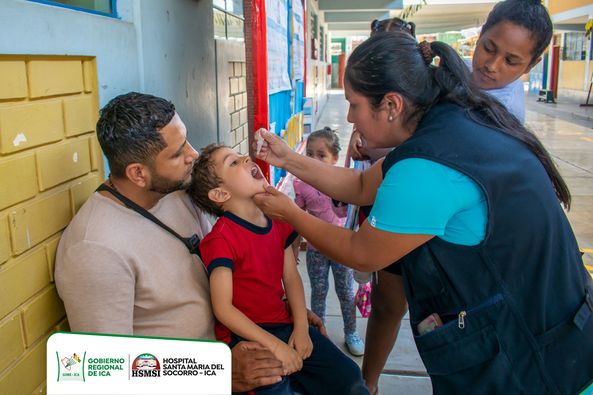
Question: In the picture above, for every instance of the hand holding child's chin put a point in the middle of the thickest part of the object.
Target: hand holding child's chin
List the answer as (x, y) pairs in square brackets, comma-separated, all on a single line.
[(274, 203)]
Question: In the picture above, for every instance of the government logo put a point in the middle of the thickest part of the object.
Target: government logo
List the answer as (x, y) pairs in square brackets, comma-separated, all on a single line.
[(70, 367)]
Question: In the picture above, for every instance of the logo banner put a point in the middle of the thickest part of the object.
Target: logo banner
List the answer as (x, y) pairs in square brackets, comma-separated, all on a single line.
[(111, 364)]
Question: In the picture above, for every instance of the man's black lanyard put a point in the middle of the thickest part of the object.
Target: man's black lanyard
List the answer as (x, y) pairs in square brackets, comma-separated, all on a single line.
[(192, 243)]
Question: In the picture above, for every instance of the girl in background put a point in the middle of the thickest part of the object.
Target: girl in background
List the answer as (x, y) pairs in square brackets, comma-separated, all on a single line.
[(324, 145)]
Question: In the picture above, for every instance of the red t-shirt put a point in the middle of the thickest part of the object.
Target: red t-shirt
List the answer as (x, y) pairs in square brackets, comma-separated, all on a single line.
[(256, 256)]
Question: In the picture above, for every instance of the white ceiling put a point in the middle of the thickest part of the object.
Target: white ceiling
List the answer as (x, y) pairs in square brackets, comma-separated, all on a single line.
[(353, 17)]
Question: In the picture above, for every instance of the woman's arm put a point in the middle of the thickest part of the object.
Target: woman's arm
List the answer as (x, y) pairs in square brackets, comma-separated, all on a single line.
[(368, 249), (346, 185)]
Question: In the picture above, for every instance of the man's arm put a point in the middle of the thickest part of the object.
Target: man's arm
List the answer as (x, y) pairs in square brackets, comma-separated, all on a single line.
[(315, 321), (254, 366), (97, 287)]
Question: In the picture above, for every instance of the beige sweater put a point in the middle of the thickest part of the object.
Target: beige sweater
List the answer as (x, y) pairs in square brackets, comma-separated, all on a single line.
[(118, 272)]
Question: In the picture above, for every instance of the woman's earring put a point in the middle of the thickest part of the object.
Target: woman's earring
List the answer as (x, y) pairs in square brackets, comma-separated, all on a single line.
[(390, 118)]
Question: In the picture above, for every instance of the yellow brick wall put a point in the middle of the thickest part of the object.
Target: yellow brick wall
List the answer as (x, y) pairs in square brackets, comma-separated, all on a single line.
[(573, 75), (50, 162)]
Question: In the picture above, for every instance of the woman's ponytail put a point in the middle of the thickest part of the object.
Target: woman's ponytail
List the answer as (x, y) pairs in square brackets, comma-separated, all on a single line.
[(453, 78), (452, 75), (395, 62)]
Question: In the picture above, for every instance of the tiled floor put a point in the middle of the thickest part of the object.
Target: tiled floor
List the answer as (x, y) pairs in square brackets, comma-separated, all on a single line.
[(571, 146), (570, 143)]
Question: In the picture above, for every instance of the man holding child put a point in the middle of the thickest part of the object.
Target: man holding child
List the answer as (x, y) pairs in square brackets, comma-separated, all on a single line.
[(120, 273)]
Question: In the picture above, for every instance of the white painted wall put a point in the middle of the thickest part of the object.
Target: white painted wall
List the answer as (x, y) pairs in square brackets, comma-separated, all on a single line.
[(318, 81), (38, 29), (163, 47), (179, 61)]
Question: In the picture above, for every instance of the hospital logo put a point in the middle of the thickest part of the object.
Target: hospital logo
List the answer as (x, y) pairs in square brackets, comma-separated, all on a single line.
[(70, 367), (146, 365)]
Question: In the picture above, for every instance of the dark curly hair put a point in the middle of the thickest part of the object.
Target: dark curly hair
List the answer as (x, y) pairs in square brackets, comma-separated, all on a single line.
[(128, 129), (204, 179)]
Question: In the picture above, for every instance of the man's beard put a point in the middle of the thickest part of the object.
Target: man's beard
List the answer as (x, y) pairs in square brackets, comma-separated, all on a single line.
[(164, 185)]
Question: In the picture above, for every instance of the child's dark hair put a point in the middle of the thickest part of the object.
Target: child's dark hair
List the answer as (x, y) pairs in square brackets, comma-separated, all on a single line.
[(395, 62), (205, 179), (330, 136), (531, 15), (393, 25)]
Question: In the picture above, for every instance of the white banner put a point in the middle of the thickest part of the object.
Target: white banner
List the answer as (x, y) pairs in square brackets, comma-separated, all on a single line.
[(105, 364), (298, 53), (277, 40)]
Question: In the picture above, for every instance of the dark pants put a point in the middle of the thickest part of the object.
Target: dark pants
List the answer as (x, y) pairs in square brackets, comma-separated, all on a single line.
[(327, 371)]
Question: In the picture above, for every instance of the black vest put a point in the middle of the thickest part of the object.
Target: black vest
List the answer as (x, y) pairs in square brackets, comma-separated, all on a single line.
[(517, 307)]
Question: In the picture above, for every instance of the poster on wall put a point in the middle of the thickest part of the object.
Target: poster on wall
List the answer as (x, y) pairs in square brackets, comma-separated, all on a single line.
[(277, 30), (298, 48)]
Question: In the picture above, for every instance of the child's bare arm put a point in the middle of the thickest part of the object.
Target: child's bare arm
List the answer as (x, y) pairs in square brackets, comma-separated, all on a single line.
[(295, 293), (221, 291)]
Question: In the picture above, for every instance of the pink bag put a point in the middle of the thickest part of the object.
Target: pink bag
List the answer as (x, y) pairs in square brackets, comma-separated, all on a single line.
[(362, 299)]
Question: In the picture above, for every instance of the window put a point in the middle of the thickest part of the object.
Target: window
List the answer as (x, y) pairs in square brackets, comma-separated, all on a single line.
[(234, 27), (235, 7), (229, 19), (101, 7), (219, 23), (575, 45)]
